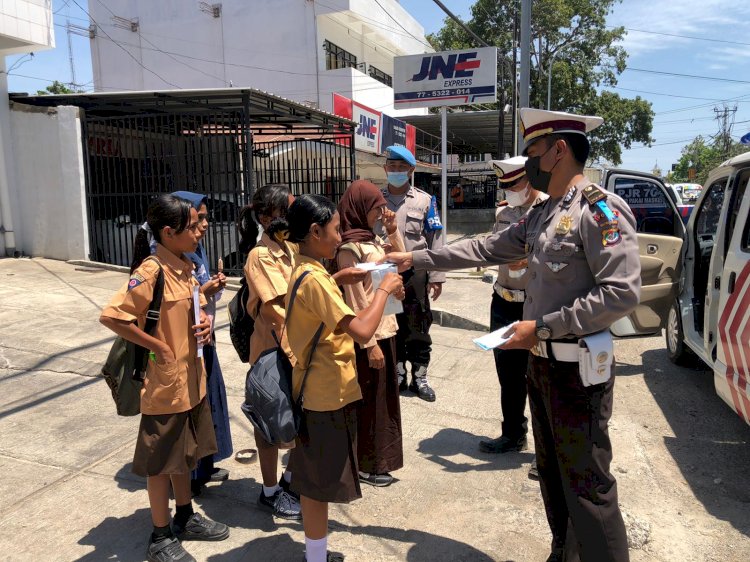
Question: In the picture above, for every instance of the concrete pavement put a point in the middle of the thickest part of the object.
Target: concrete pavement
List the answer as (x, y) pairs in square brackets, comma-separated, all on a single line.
[(66, 491)]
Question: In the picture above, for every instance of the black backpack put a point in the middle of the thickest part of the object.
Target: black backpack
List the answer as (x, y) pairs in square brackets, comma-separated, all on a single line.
[(241, 324)]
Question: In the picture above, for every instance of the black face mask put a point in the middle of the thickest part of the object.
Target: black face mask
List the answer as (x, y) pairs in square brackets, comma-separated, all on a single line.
[(538, 178)]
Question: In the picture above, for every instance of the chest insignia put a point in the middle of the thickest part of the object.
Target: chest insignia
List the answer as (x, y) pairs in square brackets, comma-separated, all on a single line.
[(556, 266), (611, 237), (569, 196), (563, 227)]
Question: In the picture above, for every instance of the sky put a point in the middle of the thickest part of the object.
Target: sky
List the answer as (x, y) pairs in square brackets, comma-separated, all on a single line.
[(700, 38)]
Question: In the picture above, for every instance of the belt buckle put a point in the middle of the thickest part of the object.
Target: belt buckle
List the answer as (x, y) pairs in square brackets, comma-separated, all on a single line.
[(507, 295)]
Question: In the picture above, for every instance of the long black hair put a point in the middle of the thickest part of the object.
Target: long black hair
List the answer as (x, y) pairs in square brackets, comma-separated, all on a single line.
[(266, 200), (165, 210), (306, 211)]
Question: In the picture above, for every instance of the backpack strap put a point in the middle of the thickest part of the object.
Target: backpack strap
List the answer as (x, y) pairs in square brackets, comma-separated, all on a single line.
[(152, 318), (315, 340)]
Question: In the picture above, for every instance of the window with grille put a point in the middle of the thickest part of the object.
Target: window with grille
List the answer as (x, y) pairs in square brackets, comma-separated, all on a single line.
[(336, 57), (380, 76)]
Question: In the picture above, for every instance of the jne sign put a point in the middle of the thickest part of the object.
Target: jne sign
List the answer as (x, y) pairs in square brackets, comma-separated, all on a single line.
[(447, 78), (367, 133)]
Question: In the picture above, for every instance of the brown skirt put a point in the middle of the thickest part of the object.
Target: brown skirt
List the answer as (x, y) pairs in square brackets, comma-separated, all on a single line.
[(324, 462), (379, 442), (174, 443)]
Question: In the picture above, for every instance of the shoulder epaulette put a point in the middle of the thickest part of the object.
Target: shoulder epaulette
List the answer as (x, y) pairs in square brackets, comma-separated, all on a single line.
[(538, 204), (593, 194)]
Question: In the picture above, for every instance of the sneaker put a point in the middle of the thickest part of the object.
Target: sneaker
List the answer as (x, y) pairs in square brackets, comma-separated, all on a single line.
[(287, 487), (379, 480), (503, 445), (281, 504), (168, 550), (533, 471), (330, 557), (401, 371), (420, 386), (219, 475), (199, 528)]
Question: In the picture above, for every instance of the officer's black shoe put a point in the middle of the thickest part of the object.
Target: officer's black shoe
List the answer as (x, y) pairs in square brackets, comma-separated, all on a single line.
[(419, 384), (503, 445)]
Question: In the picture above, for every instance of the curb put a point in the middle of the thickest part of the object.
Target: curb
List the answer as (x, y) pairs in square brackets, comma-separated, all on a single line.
[(449, 320)]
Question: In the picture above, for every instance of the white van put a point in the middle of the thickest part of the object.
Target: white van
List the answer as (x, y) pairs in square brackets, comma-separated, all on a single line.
[(696, 280)]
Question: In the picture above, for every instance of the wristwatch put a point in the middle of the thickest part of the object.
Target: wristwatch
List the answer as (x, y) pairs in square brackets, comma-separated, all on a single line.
[(543, 332)]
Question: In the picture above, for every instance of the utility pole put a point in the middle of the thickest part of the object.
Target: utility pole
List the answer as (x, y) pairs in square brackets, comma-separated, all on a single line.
[(523, 100), (725, 117)]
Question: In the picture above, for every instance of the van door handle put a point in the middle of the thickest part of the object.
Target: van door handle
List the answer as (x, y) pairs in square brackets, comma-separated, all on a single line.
[(730, 287), (652, 248)]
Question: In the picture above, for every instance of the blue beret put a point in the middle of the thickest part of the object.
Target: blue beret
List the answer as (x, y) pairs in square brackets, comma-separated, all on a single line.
[(397, 152)]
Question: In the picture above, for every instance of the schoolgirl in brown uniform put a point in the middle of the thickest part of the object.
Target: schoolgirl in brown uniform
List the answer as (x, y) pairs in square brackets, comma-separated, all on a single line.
[(269, 266), (379, 441), (324, 461), (176, 427)]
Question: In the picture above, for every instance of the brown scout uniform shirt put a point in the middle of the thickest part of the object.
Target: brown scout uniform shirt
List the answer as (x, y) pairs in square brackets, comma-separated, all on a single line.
[(504, 217), (176, 387), (360, 295), (411, 216), (585, 270), (267, 272), (332, 380)]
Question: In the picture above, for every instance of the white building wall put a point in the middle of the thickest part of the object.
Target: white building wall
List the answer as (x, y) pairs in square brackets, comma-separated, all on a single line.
[(25, 25), (272, 45), (49, 209)]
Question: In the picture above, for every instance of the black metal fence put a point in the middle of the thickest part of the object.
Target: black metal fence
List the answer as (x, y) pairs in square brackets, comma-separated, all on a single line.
[(130, 160), (324, 167)]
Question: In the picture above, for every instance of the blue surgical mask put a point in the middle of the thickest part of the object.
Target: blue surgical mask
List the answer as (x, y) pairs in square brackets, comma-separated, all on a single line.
[(397, 179)]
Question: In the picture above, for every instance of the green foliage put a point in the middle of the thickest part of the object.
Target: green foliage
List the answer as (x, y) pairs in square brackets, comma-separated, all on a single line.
[(55, 88), (704, 157), (570, 36)]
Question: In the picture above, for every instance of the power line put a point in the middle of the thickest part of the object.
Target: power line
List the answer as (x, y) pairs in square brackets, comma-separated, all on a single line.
[(663, 94), (123, 48), (401, 26), (685, 36), (679, 75)]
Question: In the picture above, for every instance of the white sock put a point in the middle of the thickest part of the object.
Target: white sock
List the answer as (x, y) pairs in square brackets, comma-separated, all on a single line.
[(269, 491), (316, 550), (287, 476)]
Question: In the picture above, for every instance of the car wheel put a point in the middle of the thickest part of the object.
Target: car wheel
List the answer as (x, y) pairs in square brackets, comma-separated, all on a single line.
[(678, 352)]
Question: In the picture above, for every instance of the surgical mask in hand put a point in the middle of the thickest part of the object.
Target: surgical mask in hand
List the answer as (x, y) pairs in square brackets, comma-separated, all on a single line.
[(397, 179), (517, 198)]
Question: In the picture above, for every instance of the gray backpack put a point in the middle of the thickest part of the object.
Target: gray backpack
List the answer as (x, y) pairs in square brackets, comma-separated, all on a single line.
[(268, 388)]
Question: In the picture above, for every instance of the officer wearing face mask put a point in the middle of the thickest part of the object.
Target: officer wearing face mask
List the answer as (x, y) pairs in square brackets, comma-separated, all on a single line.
[(411, 205), (584, 274), (507, 307)]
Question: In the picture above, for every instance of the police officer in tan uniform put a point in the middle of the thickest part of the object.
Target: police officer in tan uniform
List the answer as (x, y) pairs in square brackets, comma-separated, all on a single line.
[(411, 205), (584, 268), (507, 306)]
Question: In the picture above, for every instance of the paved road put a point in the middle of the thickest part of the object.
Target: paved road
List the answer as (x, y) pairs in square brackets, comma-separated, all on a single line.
[(66, 493)]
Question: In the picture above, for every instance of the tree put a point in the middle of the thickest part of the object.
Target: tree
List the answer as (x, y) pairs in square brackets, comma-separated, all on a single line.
[(703, 157), (55, 88), (573, 38)]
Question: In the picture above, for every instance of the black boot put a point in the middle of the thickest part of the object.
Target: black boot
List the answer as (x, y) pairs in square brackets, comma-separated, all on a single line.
[(503, 445), (419, 384)]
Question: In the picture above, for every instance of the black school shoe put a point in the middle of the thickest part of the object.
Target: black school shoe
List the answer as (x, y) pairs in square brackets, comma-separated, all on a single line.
[(199, 528), (281, 504), (287, 487), (378, 480), (168, 550), (503, 445)]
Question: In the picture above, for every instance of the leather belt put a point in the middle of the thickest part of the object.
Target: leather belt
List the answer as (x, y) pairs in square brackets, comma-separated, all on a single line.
[(511, 295), (566, 352)]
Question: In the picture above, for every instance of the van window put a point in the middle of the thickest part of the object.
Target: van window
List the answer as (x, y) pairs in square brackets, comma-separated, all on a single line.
[(737, 196), (709, 213), (652, 209)]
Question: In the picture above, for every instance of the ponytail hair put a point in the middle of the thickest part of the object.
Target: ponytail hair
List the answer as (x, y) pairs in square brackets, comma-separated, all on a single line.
[(267, 200), (165, 210), (306, 211)]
